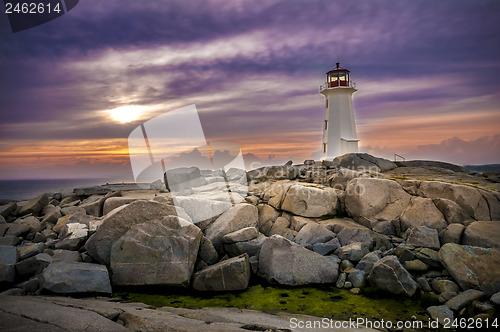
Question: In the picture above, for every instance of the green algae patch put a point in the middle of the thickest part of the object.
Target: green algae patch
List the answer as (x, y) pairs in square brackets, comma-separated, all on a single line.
[(322, 301)]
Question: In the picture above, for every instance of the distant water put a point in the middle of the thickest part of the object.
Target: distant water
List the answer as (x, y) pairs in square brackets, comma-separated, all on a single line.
[(25, 189)]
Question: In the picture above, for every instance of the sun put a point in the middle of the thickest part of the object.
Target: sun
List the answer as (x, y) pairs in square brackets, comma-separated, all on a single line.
[(125, 114)]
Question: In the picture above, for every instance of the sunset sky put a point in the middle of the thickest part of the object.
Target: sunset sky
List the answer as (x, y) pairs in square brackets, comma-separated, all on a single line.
[(428, 75)]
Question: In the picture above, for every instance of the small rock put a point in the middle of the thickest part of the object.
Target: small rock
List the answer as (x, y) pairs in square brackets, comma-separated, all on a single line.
[(341, 280), (442, 285), (424, 284), (453, 233), (68, 256), (444, 297), (30, 250), (207, 252), (353, 252), (416, 266), (327, 247), (464, 298), (8, 259), (357, 278), (442, 313), (33, 265), (495, 298), (355, 291), (242, 235), (7, 209)]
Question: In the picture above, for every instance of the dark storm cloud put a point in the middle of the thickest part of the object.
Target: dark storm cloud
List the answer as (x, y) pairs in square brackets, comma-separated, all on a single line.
[(252, 67)]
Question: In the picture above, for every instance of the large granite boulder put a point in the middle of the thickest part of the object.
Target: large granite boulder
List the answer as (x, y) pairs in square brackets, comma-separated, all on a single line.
[(118, 222), (158, 252), (66, 278), (470, 199), (309, 201), (422, 212), (388, 274), (34, 205), (287, 263), (370, 201), (114, 202), (472, 267), (228, 275), (236, 218), (484, 234)]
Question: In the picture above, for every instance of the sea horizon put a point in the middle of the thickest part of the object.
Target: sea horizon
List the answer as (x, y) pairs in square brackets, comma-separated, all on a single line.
[(22, 189)]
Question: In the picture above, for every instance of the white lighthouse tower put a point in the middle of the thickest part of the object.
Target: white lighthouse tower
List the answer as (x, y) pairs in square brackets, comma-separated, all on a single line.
[(339, 128)]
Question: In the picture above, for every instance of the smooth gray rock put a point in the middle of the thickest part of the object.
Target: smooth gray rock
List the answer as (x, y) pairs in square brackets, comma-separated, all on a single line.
[(423, 236), (93, 205), (288, 263), (328, 247), (241, 235), (453, 233), (207, 252), (114, 202), (267, 216), (442, 313), (443, 286), (158, 252), (362, 161), (236, 218), (309, 201), (342, 177), (413, 215), (17, 229), (484, 234), (228, 275), (495, 298), (33, 222), (251, 247), (118, 222), (67, 278), (51, 213), (472, 267), (353, 252), (388, 274), (72, 236), (464, 298), (312, 233), (367, 262), (357, 278), (371, 200)]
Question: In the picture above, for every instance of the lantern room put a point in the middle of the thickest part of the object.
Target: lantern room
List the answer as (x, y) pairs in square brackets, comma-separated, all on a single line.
[(338, 76)]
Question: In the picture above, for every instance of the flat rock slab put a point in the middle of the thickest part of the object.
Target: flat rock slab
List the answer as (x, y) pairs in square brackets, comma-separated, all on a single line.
[(41, 314), (68, 314)]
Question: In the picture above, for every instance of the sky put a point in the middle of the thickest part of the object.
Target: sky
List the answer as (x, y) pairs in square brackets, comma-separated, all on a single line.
[(427, 74)]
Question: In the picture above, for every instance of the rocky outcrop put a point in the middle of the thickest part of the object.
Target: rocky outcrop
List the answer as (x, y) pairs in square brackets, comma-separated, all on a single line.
[(287, 263), (472, 267), (34, 205), (228, 275), (158, 252)]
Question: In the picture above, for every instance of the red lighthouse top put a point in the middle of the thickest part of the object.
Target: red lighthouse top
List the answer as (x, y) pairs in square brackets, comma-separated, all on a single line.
[(338, 76)]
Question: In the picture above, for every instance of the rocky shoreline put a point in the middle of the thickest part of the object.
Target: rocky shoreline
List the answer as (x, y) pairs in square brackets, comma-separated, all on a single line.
[(352, 222)]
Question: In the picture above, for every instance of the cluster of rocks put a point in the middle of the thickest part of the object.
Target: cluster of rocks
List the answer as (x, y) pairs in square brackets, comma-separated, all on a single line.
[(317, 223)]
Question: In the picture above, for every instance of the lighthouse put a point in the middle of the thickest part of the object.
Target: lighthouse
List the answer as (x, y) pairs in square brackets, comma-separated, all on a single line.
[(339, 128)]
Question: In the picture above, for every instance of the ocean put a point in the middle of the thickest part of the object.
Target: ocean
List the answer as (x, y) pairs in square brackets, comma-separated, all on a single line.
[(25, 189)]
